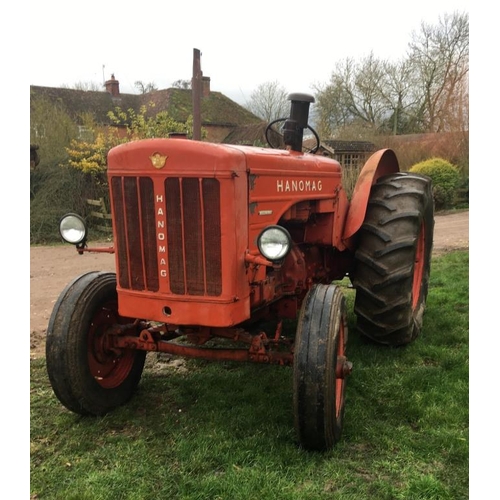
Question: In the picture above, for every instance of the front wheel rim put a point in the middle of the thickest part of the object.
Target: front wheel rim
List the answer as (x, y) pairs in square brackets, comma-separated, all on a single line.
[(418, 268), (108, 367), (339, 377)]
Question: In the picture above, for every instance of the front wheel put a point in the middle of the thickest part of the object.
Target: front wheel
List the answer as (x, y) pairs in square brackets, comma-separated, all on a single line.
[(393, 259), (86, 375), (320, 368)]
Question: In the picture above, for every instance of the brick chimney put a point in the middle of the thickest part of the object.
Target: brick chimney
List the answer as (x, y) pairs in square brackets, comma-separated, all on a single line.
[(205, 83), (113, 86)]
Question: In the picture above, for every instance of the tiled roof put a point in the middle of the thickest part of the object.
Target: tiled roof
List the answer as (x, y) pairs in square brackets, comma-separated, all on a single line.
[(250, 135), (216, 108), (77, 102), (350, 146)]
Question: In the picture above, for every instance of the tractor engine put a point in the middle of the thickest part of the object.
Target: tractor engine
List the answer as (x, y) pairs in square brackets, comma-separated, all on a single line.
[(199, 226)]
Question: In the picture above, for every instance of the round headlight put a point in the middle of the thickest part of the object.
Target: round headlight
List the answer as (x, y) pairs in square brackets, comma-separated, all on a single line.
[(274, 243), (73, 229)]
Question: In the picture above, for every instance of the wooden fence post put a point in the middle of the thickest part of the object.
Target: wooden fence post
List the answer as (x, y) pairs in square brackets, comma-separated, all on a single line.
[(102, 214)]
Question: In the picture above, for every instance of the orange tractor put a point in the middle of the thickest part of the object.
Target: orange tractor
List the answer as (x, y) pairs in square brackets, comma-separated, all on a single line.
[(212, 241)]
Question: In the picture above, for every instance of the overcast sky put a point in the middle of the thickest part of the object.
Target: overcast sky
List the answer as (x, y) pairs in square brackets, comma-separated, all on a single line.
[(242, 44)]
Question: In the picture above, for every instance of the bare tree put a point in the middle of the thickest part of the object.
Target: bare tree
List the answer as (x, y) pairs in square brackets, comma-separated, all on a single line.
[(354, 95), (440, 57), (366, 92), (400, 93), (145, 88), (269, 101), (427, 91), (182, 84), (332, 102)]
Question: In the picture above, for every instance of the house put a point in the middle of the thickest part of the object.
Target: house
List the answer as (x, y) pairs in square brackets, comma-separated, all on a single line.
[(219, 114), (224, 120)]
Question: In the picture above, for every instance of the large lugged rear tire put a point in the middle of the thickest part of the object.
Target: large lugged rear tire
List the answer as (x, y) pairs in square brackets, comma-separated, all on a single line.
[(87, 377), (392, 261), (320, 368)]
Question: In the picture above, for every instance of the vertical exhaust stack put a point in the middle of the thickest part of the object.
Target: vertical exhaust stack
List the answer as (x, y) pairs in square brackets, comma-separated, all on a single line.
[(293, 130), (196, 89)]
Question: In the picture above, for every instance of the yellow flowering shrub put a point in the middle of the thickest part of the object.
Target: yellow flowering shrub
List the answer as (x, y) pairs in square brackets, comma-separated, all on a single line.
[(91, 156)]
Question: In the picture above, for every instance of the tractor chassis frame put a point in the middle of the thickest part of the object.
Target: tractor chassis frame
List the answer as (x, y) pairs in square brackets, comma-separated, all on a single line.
[(143, 336), (261, 349)]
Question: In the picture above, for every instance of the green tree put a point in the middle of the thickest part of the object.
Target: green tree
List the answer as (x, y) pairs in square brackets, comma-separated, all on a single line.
[(52, 184), (51, 128)]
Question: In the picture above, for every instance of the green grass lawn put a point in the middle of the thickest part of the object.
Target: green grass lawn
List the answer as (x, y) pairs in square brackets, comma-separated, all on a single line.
[(225, 430)]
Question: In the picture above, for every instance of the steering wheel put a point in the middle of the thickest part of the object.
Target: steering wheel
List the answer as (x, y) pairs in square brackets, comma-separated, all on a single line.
[(270, 129)]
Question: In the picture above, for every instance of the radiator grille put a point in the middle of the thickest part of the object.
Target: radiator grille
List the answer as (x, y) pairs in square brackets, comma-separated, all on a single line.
[(193, 234), (134, 215)]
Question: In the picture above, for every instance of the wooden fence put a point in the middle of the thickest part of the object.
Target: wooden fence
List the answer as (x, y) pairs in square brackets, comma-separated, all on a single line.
[(101, 213)]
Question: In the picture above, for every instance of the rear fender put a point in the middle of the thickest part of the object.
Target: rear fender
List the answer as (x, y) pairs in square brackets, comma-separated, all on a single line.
[(380, 163)]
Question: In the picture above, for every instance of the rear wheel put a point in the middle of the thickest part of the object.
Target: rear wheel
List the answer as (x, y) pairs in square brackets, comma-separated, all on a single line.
[(87, 376), (320, 368), (392, 261)]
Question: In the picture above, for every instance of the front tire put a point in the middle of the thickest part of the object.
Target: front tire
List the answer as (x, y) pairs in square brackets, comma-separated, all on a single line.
[(320, 368), (87, 377), (393, 258)]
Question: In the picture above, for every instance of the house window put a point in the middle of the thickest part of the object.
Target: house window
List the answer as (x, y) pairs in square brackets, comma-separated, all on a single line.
[(352, 160)]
